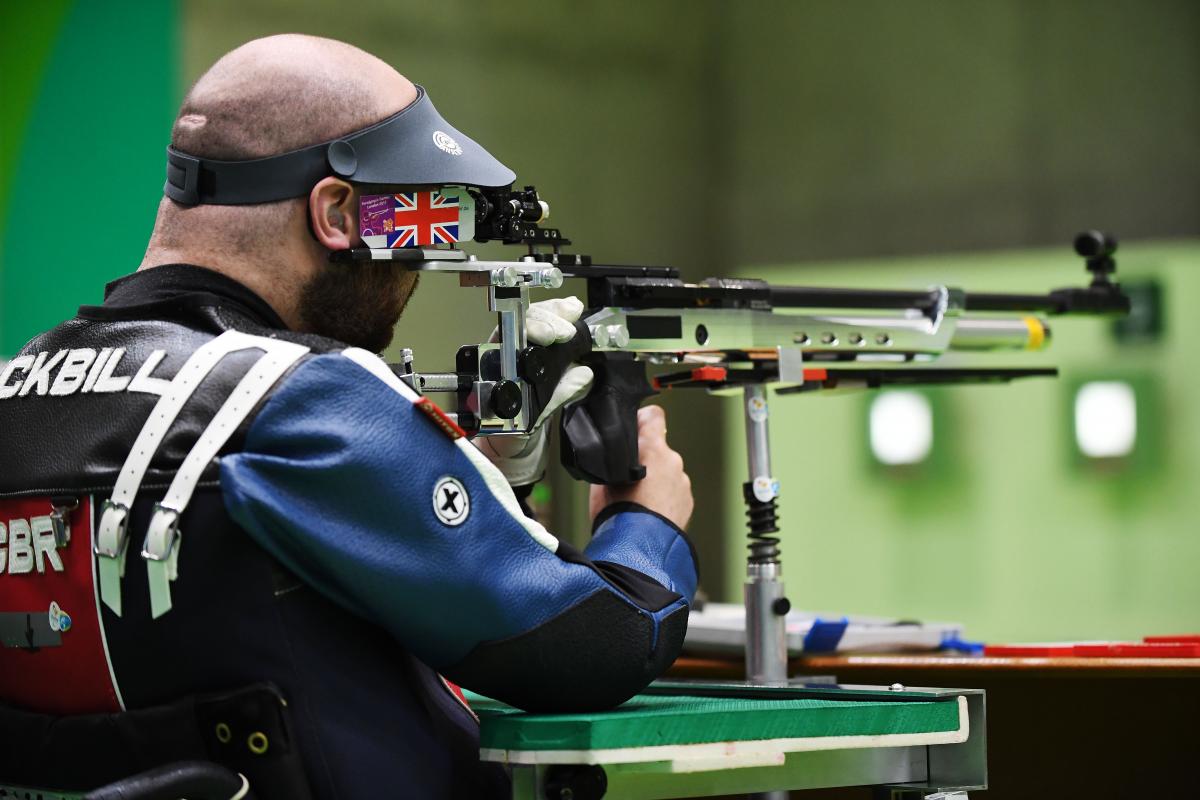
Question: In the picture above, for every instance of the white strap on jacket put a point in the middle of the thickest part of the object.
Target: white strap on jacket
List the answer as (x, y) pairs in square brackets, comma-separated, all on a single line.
[(161, 548), (112, 540)]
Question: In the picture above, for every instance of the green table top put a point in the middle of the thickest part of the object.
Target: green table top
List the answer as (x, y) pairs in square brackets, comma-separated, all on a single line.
[(650, 720)]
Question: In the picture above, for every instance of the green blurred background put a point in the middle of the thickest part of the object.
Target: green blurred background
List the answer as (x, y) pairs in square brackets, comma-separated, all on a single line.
[(867, 143)]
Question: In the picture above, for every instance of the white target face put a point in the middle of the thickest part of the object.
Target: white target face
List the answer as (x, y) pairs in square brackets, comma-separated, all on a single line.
[(901, 429), (446, 143)]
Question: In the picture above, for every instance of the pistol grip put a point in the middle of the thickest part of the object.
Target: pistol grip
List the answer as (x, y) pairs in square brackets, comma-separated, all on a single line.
[(599, 434)]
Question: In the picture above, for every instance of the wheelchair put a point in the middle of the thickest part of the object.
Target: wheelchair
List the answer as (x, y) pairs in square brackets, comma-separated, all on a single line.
[(228, 746)]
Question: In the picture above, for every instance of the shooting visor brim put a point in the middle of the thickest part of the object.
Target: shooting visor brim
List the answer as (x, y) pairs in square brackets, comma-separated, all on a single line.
[(414, 147)]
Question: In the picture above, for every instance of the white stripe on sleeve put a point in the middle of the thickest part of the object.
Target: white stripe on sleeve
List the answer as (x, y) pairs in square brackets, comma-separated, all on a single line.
[(492, 477)]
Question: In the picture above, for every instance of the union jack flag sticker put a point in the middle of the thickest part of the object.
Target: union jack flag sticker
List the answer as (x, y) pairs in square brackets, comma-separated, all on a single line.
[(423, 218), (417, 219)]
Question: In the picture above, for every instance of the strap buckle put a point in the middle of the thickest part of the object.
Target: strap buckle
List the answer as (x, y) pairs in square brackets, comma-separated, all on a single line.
[(183, 178), (60, 523), (112, 540), (160, 551), (118, 513), (166, 521)]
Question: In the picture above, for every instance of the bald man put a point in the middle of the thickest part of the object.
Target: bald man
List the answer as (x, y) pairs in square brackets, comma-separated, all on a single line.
[(212, 483)]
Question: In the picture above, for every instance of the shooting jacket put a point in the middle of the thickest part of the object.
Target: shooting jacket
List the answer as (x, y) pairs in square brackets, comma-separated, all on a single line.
[(308, 520)]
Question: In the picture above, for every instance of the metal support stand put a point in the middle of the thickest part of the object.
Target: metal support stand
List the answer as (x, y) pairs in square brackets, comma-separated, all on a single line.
[(933, 771), (510, 304), (766, 605)]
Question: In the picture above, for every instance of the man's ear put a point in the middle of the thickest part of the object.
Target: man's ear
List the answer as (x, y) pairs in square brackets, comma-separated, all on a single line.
[(333, 215)]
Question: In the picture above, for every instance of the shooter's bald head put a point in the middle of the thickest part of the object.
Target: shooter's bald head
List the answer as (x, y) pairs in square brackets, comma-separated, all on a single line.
[(284, 92), (271, 96)]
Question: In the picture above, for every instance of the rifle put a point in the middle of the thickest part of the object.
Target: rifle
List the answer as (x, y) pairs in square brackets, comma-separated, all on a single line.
[(726, 332), (720, 333)]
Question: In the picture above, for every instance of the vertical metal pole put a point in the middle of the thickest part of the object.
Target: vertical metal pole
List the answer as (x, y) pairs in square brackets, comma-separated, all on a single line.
[(766, 636), (766, 605), (511, 322), (510, 304), (766, 633)]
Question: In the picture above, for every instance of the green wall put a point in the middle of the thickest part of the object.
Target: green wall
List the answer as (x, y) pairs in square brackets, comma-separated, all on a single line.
[(89, 92), (892, 128), (1006, 529)]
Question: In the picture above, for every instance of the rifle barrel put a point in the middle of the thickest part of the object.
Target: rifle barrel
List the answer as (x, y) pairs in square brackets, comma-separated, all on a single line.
[(995, 301), (825, 297)]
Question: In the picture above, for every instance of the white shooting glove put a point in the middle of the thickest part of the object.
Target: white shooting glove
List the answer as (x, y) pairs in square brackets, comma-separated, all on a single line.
[(523, 459)]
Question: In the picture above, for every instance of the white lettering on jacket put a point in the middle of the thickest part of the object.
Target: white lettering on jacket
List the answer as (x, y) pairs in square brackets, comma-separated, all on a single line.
[(79, 370), (73, 371), (26, 545), (39, 373), (18, 364)]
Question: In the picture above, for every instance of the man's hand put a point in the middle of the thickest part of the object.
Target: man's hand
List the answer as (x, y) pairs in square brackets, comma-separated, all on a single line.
[(666, 489), (551, 321)]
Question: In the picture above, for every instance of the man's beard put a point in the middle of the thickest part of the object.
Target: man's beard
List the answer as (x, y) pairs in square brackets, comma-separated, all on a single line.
[(358, 304)]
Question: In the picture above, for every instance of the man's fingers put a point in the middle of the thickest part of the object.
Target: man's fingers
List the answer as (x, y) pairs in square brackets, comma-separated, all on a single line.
[(565, 308), (652, 422), (546, 328), (666, 489), (550, 322), (539, 331), (652, 414)]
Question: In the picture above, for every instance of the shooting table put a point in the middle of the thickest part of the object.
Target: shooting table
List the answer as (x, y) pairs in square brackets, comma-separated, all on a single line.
[(704, 740), (1057, 727)]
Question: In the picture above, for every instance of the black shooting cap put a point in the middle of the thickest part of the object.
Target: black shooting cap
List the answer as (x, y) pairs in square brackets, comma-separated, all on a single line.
[(415, 146)]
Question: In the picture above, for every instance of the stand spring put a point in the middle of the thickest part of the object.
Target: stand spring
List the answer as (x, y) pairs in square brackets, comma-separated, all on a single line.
[(763, 521)]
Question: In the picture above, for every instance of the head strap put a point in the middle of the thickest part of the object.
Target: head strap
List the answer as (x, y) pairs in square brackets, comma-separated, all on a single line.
[(413, 147)]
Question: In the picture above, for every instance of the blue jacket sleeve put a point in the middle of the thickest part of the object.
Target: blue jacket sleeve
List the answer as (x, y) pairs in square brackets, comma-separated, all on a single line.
[(349, 484)]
